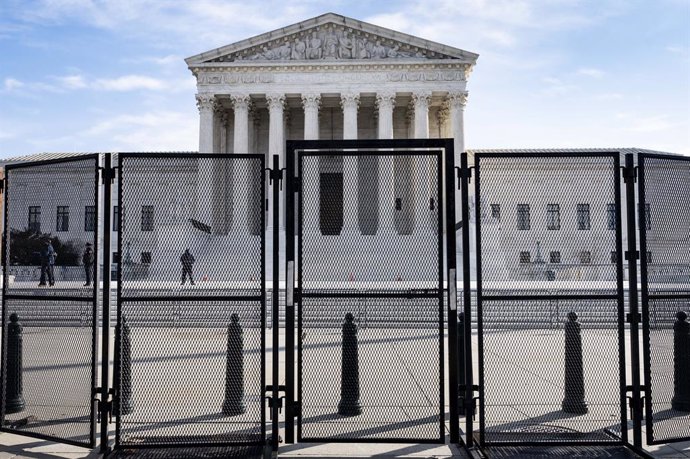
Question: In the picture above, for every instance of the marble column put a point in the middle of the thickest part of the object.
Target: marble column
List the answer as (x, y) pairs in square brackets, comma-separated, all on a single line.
[(311, 103), (276, 136), (204, 202), (240, 170), (350, 103), (426, 174), (385, 102), (456, 104)]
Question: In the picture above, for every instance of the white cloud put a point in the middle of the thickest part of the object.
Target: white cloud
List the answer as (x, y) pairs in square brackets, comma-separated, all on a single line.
[(129, 83), (72, 82), (11, 84), (591, 72)]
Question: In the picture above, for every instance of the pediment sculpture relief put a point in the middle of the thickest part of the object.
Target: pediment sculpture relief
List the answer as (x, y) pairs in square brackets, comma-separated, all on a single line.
[(331, 43)]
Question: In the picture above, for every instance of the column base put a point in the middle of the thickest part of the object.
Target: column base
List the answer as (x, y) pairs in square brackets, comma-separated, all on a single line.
[(574, 406), (349, 408)]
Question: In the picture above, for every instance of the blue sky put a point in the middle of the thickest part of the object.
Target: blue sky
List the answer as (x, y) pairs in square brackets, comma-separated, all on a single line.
[(109, 75)]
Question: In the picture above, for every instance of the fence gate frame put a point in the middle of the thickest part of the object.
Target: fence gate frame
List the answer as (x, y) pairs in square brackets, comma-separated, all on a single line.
[(619, 297), (647, 297), (92, 299), (265, 441), (446, 174)]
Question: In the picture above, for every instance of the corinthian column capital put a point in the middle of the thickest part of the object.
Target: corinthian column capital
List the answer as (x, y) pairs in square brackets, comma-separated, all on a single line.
[(421, 100), (385, 100), (205, 102), (349, 100), (241, 101), (275, 101), (457, 99), (311, 101)]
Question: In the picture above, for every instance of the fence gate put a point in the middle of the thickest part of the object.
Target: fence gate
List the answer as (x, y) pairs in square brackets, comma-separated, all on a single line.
[(190, 342), (664, 222), (49, 315), (550, 299), (368, 264)]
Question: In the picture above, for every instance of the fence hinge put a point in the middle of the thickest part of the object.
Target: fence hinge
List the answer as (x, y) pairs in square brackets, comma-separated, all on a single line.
[(107, 173), (629, 173), (462, 173), (633, 317), (636, 409), (635, 255), (275, 175), (105, 407)]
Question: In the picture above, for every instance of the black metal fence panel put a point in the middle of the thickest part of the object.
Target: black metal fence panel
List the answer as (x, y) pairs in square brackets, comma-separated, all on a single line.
[(49, 300), (370, 282), (664, 224), (191, 301), (550, 298)]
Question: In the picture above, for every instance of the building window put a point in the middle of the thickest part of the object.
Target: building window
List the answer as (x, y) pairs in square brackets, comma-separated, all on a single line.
[(496, 212), (523, 217), (116, 218), (147, 218), (611, 216), (583, 217), (614, 257), (146, 258), (585, 257), (35, 219), (649, 258), (525, 257), (62, 223), (116, 257), (555, 257), (90, 218), (553, 216)]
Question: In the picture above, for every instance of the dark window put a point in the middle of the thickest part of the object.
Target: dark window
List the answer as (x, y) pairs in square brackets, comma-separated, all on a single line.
[(89, 218), (525, 257), (116, 257), (146, 257), (496, 211), (62, 223), (585, 257), (647, 216), (331, 203), (523, 217), (35, 218), (649, 258), (116, 218), (583, 217), (555, 257), (147, 218), (553, 216), (611, 216), (614, 257)]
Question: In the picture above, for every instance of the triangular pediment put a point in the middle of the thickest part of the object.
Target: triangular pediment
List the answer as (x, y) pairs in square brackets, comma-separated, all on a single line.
[(330, 37)]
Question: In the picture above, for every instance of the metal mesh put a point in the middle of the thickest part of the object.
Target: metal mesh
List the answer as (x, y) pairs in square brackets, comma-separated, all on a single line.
[(57, 345), (518, 247), (545, 235), (363, 241), (54, 202), (51, 218), (664, 220), (191, 354), (171, 204)]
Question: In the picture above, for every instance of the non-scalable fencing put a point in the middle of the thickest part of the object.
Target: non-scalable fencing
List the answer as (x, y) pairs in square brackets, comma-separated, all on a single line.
[(357, 337)]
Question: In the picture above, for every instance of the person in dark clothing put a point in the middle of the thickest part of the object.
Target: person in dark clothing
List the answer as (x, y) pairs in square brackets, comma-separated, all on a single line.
[(87, 259), (187, 260), (47, 255)]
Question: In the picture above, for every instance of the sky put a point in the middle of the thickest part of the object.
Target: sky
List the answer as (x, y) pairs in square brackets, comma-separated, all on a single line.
[(109, 75)]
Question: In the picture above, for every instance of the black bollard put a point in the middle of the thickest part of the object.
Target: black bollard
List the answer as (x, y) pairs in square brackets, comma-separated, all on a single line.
[(349, 377), (681, 363), (461, 362), (574, 401), (14, 403), (125, 370), (234, 370)]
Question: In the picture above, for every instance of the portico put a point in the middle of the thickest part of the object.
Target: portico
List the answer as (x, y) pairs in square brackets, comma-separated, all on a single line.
[(331, 77)]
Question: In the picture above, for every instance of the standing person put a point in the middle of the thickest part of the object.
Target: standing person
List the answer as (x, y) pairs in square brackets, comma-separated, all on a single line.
[(87, 259), (47, 255), (187, 260)]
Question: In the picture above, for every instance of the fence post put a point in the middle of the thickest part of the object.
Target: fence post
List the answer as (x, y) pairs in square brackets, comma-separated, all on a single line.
[(461, 361), (233, 404), (125, 404), (681, 363), (14, 402), (349, 377), (574, 401)]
